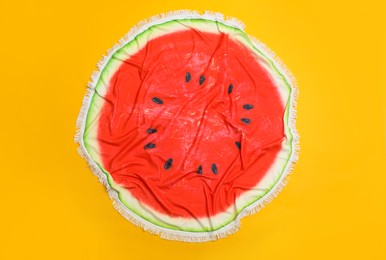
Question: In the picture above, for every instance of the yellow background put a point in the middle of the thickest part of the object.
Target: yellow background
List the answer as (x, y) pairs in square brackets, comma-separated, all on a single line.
[(334, 206)]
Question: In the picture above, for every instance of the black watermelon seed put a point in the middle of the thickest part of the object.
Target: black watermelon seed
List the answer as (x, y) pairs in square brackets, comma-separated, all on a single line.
[(214, 168), (151, 131), (248, 106), (202, 79), (149, 146), (246, 120), (199, 170), (238, 144), (157, 100), (230, 88), (168, 163), (187, 77)]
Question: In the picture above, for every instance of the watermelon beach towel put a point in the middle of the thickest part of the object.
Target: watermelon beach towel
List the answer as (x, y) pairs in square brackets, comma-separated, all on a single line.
[(190, 125)]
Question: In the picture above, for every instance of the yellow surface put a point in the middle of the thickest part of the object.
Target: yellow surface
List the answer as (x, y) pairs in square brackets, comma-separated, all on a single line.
[(334, 206)]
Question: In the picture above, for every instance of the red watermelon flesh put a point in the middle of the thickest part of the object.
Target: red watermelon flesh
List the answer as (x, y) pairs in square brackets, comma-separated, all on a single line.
[(190, 122)]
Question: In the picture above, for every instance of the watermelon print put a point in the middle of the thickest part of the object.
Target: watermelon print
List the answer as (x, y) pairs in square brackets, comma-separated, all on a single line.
[(190, 125)]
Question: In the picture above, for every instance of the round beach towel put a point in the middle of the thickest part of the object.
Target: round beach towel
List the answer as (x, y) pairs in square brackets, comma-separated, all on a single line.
[(190, 125)]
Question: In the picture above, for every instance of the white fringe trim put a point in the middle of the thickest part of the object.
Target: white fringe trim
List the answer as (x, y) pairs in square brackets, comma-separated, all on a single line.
[(251, 209)]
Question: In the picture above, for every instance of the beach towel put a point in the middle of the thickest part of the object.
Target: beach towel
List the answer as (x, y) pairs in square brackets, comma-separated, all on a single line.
[(190, 124)]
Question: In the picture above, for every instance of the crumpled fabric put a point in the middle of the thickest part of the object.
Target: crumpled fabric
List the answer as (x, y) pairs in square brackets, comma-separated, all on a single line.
[(188, 121)]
